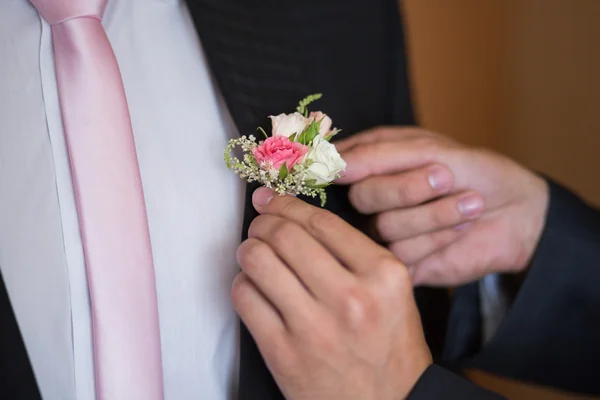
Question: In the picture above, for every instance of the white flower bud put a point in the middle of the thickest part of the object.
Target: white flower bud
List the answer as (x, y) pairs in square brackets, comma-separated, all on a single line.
[(288, 124)]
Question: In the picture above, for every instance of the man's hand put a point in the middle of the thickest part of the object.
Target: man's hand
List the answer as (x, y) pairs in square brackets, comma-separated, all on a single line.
[(331, 311), (451, 213)]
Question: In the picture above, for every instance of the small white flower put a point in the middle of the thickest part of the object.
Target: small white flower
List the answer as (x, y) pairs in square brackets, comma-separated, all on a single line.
[(288, 124), (326, 162)]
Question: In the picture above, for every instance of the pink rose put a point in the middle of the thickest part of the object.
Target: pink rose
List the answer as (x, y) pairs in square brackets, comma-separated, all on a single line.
[(278, 150), (325, 127)]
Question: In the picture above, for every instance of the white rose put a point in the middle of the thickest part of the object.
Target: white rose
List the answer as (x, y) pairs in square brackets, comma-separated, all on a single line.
[(288, 124), (326, 162)]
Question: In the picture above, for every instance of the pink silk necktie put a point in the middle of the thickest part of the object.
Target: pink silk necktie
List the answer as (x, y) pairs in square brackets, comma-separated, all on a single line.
[(110, 202)]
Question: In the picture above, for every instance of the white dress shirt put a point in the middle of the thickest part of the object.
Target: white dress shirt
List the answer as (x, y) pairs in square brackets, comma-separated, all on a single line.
[(194, 203)]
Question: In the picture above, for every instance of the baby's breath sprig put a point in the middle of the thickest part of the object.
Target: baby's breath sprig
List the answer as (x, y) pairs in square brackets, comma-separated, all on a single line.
[(246, 168), (295, 182)]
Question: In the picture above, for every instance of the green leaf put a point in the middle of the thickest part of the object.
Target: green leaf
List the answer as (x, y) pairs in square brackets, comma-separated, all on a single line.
[(309, 133), (312, 131), (283, 171), (293, 136), (312, 183), (331, 135), (260, 129)]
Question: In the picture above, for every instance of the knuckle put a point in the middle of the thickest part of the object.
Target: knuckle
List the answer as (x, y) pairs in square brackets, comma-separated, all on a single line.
[(408, 192), (426, 141), (358, 308), (393, 277), (239, 291), (431, 146), (441, 216), (385, 225), (359, 198), (258, 223), (251, 253), (321, 221), (289, 203), (283, 234), (252, 247), (441, 239), (437, 216), (400, 250)]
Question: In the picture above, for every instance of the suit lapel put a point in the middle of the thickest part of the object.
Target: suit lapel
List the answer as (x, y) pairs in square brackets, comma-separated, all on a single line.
[(16, 375), (268, 54), (251, 56)]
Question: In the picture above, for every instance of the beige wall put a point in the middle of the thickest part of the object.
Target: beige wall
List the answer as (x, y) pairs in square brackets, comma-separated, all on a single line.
[(520, 76)]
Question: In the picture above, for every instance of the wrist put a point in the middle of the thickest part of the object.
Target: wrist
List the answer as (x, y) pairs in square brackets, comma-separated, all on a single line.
[(415, 376)]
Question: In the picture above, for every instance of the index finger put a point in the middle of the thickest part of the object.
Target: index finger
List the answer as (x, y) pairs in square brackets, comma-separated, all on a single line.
[(379, 134), (350, 246), (381, 158)]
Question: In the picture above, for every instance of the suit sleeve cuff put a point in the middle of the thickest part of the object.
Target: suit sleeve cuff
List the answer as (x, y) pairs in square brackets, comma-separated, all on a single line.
[(439, 383)]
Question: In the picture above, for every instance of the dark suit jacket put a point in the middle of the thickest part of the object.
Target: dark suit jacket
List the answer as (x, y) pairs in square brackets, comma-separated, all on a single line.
[(551, 334), (265, 56)]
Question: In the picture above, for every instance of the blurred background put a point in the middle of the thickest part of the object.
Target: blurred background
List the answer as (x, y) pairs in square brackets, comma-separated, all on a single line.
[(518, 76)]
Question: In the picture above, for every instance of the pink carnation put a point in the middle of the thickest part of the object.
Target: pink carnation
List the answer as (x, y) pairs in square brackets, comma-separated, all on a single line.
[(278, 150)]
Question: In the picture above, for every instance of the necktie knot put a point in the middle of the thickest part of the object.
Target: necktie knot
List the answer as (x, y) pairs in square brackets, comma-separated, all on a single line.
[(57, 11)]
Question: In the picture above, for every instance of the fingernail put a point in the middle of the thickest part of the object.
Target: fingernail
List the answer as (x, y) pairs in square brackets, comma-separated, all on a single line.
[(470, 205), (440, 179), (262, 196)]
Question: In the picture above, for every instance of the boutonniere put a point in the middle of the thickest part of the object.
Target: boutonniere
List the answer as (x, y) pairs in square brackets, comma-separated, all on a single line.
[(297, 158)]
